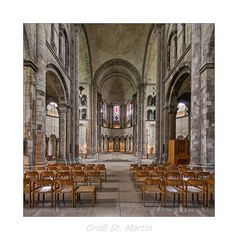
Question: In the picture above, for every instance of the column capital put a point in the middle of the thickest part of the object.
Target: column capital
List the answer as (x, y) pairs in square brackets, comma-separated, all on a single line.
[(172, 108), (62, 107)]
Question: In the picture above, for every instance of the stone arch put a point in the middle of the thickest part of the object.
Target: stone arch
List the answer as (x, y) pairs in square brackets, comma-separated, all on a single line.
[(112, 66), (111, 144), (60, 86), (150, 115), (122, 144), (179, 91), (177, 80)]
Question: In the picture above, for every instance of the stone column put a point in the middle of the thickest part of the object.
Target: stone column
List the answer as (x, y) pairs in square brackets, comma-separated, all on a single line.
[(158, 92), (166, 132), (62, 131), (72, 91), (29, 116), (40, 96), (68, 127), (195, 143), (172, 121), (207, 97), (77, 80)]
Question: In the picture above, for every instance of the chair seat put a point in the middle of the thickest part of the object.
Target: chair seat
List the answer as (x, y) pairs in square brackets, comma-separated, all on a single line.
[(65, 189), (44, 189), (85, 189), (173, 189), (194, 189), (151, 188)]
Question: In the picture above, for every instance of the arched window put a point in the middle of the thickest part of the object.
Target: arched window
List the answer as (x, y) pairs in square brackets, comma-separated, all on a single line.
[(154, 115), (116, 113), (149, 115), (129, 111), (63, 47), (150, 100), (154, 100)]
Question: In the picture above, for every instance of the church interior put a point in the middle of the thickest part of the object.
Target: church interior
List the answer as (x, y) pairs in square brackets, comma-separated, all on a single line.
[(119, 120)]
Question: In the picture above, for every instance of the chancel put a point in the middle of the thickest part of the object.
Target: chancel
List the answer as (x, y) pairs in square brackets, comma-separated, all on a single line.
[(119, 117)]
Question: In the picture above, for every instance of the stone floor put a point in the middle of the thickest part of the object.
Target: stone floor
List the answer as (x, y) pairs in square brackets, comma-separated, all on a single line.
[(118, 197)]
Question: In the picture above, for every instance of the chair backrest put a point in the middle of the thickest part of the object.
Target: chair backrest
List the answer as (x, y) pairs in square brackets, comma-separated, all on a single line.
[(91, 165), (173, 182), (64, 182), (195, 183), (78, 174), (154, 182), (31, 175), (63, 175), (172, 175), (47, 175), (188, 175), (76, 169), (160, 175), (52, 168), (203, 175), (64, 168), (142, 174)]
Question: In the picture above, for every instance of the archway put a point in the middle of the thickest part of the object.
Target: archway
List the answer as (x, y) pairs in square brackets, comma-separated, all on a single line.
[(57, 93)]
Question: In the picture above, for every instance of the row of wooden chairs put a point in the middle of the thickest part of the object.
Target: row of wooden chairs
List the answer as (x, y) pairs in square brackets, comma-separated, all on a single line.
[(178, 187), (55, 189), (44, 182)]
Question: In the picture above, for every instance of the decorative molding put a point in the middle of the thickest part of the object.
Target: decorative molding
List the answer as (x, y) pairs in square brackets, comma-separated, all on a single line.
[(207, 66), (30, 63)]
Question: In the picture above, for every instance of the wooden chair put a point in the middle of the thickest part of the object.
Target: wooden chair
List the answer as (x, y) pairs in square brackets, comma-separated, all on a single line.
[(94, 177), (52, 168), (40, 169), (63, 175), (85, 189), (76, 169), (175, 187), (79, 178), (135, 171), (203, 175), (187, 175), (210, 190), (47, 175), (102, 170), (64, 186), (64, 169), (153, 186), (43, 186), (157, 175), (27, 190), (195, 186), (140, 178), (172, 175)]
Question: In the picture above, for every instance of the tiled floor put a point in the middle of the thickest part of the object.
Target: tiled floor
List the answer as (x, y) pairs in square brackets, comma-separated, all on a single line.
[(118, 197)]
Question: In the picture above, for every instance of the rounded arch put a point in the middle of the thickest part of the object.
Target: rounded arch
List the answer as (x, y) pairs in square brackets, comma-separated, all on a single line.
[(55, 77), (177, 81), (117, 65)]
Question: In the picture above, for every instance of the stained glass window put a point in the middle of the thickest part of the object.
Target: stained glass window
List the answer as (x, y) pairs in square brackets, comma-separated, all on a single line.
[(116, 113), (129, 111)]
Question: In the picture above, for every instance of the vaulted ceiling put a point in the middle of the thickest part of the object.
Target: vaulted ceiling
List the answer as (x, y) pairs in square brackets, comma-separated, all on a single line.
[(124, 41)]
